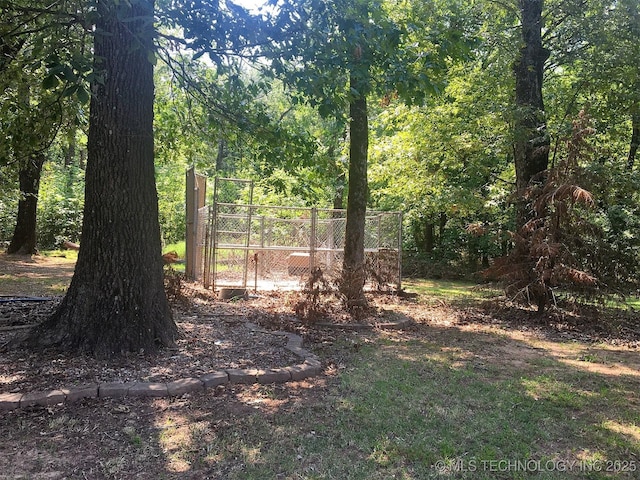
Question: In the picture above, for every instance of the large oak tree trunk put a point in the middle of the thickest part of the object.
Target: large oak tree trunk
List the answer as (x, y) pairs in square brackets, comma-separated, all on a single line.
[(116, 301), (353, 268), (531, 146), (23, 241)]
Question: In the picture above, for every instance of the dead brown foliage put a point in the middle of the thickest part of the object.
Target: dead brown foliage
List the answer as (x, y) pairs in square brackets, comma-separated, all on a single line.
[(542, 257), (312, 302)]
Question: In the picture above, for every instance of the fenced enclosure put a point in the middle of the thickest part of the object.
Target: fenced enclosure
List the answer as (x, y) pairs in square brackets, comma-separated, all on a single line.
[(240, 245)]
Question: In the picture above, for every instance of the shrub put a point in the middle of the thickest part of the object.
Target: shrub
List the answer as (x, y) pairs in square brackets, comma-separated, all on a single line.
[(59, 219)]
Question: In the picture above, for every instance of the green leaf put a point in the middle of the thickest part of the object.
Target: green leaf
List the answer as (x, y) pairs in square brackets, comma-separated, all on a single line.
[(82, 94), (70, 90), (50, 82), (68, 74)]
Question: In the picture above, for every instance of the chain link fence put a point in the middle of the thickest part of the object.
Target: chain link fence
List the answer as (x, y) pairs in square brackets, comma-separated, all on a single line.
[(276, 247), (266, 247)]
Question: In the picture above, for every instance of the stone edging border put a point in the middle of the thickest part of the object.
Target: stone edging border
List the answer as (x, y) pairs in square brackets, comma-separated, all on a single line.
[(310, 367)]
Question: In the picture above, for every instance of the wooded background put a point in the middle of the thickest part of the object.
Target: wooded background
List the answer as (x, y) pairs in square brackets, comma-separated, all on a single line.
[(450, 102)]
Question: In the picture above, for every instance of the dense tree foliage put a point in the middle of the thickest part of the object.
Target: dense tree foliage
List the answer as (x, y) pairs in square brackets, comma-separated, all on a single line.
[(42, 96), (337, 55)]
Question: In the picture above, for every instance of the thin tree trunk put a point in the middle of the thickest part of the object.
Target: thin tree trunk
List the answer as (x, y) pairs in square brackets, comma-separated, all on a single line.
[(24, 239), (116, 302), (429, 237), (338, 192), (222, 154), (442, 223), (635, 140), (70, 153), (353, 269), (531, 146), (339, 185)]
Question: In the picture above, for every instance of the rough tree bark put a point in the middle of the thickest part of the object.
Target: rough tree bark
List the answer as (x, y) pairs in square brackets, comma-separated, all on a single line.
[(353, 268), (23, 241), (116, 301), (531, 146)]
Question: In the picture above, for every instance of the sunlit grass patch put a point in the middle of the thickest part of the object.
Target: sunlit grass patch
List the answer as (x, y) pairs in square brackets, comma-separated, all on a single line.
[(419, 409), (633, 302), (629, 430), (180, 248), (450, 291), (547, 388), (39, 275), (461, 292), (71, 255)]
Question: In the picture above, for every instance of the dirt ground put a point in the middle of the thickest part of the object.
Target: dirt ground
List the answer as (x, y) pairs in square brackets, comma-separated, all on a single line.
[(36, 275), (212, 335), (108, 438)]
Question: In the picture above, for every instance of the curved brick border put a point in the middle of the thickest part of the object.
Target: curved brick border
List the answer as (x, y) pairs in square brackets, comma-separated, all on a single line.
[(310, 367)]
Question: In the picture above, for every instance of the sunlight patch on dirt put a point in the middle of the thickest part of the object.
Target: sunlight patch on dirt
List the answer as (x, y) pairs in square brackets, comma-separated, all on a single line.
[(263, 402), (174, 439), (615, 369), (603, 359), (36, 275), (9, 379), (632, 432)]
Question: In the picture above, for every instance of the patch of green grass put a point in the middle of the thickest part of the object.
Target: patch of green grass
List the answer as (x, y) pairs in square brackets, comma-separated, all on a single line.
[(180, 248), (633, 302), (68, 254), (459, 292), (133, 436), (41, 275), (409, 410), (630, 302), (606, 302), (450, 291)]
